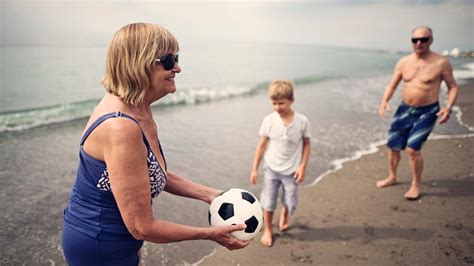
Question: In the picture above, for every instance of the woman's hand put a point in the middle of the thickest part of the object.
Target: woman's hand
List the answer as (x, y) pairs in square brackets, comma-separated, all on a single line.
[(222, 235), (214, 194)]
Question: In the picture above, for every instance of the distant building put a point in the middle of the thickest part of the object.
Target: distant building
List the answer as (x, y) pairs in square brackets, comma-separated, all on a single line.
[(455, 52)]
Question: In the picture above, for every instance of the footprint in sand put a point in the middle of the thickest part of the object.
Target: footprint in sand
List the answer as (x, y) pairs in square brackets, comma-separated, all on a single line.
[(455, 227), (369, 230)]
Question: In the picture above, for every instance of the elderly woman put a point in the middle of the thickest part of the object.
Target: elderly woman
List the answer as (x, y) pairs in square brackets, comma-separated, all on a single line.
[(122, 166)]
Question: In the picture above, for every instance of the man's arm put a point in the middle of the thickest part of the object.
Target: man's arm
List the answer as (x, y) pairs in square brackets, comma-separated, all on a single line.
[(390, 89), (261, 147), (447, 76)]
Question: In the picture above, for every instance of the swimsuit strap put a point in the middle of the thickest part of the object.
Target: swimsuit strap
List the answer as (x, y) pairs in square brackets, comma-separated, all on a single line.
[(163, 156), (110, 115)]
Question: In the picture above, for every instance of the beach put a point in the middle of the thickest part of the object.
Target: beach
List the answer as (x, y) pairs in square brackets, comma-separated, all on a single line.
[(346, 220)]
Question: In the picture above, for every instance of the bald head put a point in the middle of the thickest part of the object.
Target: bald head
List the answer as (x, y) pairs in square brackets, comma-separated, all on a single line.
[(423, 30)]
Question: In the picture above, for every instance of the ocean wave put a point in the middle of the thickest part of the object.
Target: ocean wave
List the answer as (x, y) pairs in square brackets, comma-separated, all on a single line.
[(463, 74), (202, 95), (30, 118), (469, 65), (465, 71), (25, 119)]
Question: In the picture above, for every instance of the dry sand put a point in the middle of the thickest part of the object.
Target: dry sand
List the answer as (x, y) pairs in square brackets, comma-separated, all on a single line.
[(346, 220)]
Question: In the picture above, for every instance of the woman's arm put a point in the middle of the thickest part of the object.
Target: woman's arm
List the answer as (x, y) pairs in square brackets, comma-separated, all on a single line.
[(181, 186), (125, 156)]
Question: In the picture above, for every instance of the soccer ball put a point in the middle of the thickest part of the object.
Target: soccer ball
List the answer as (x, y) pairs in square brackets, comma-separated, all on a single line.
[(237, 206)]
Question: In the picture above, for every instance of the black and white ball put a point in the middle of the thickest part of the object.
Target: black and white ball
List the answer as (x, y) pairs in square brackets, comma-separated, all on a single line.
[(237, 206)]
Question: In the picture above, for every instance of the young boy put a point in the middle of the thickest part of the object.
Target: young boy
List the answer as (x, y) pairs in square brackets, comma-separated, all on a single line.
[(287, 134)]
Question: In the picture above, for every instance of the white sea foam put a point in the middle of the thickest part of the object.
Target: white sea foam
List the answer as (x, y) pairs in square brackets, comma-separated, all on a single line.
[(458, 114), (468, 66), (465, 71), (201, 95), (338, 163), (203, 258), (22, 120), (463, 74)]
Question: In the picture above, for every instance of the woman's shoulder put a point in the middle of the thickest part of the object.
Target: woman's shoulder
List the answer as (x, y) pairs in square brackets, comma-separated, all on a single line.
[(122, 124), (116, 126)]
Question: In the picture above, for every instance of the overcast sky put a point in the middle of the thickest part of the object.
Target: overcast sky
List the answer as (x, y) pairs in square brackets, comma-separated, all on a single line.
[(362, 24)]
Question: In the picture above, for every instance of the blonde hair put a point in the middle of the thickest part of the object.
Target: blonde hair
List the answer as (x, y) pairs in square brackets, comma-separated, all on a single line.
[(131, 54), (280, 89)]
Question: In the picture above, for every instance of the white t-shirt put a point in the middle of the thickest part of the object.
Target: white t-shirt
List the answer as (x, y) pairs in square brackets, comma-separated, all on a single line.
[(284, 151)]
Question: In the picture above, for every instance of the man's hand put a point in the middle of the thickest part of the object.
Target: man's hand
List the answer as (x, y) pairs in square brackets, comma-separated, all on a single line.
[(444, 115), (384, 106)]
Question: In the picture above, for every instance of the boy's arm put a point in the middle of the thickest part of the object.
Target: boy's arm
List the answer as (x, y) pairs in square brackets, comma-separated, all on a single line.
[(261, 147), (299, 174)]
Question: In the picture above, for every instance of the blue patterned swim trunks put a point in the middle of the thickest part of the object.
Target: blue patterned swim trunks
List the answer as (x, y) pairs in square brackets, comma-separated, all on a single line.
[(411, 126)]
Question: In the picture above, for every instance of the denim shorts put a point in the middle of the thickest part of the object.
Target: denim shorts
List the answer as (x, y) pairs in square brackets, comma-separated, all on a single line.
[(271, 185)]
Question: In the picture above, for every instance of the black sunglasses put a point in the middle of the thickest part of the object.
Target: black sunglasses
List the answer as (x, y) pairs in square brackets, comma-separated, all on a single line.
[(168, 61), (422, 40)]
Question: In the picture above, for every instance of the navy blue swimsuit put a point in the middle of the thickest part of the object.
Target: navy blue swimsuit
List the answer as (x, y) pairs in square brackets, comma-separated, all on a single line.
[(94, 232)]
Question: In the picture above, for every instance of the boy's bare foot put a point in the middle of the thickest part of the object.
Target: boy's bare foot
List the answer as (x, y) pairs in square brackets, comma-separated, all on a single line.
[(413, 193), (284, 227), (267, 239), (389, 181), (283, 224)]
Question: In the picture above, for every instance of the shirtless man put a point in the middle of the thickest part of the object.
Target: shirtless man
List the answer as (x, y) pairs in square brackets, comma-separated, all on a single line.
[(422, 72)]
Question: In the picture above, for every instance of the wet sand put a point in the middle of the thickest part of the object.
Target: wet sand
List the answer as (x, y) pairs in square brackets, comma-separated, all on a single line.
[(346, 220)]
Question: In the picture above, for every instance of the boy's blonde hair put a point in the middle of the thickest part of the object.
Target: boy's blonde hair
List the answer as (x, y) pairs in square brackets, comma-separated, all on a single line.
[(280, 89), (131, 55)]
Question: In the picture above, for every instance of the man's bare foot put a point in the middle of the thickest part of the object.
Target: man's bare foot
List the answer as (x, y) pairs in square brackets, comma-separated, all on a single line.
[(389, 181), (267, 238), (413, 193)]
